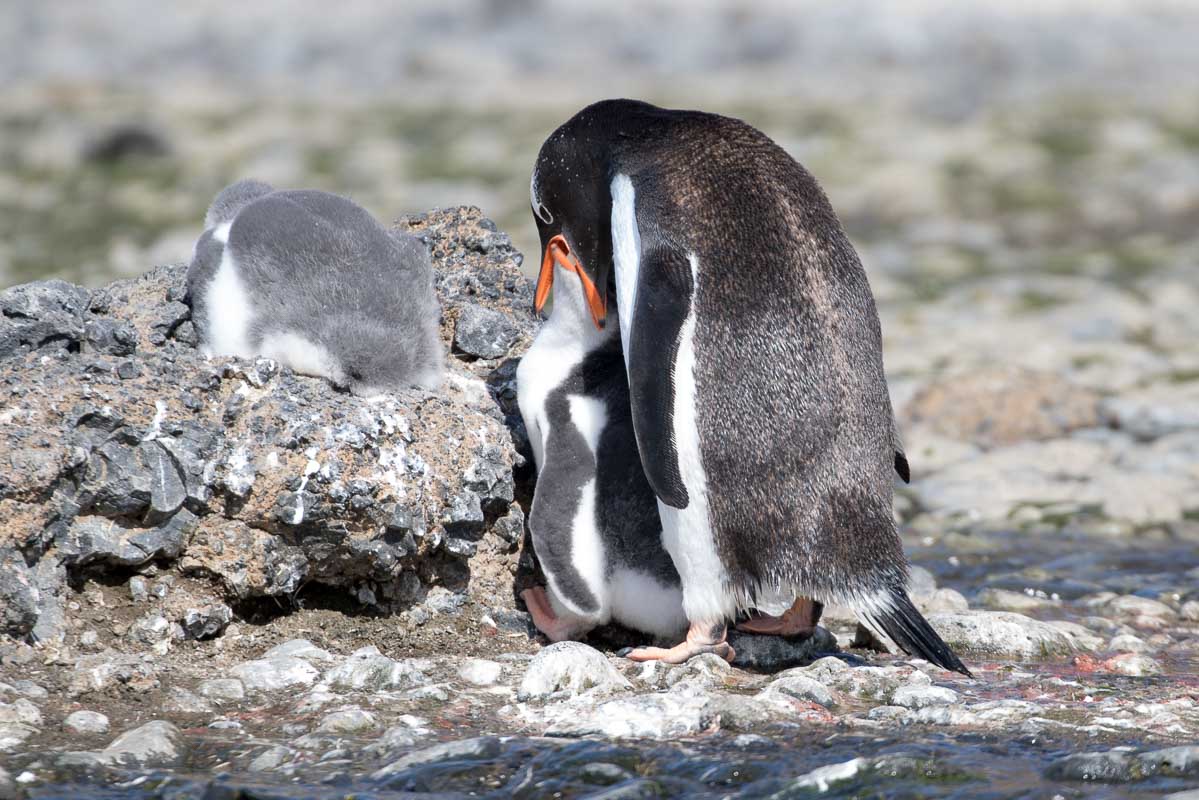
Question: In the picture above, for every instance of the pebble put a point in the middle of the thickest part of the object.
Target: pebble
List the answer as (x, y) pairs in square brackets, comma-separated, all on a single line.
[(480, 672), (368, 669), (351, 720), (271, 758), (570, 668), (222, 689), (1127, 643), (85, 722), (207, 621), (644, 716)]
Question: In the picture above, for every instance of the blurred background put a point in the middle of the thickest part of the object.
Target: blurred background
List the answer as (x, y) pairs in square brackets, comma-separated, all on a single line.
[(954, 138)]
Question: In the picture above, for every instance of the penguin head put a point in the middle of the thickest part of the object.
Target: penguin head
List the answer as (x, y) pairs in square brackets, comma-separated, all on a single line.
[(572, 206)]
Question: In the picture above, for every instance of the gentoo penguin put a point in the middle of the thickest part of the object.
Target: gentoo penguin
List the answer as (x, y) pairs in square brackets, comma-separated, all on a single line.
[(754, 356), (312, 280), (594, 519)]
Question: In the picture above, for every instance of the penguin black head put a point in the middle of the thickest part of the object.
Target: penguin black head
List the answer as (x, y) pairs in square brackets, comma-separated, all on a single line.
[(572, 200)]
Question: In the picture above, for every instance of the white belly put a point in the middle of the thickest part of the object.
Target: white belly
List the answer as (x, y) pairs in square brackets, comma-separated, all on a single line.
[(228, 306)]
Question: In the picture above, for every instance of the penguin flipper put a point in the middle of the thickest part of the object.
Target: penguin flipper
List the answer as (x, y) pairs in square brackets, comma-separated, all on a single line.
[(664, 297), (908, 628)]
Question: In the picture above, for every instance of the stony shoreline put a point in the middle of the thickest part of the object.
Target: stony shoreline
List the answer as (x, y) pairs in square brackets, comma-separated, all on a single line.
[(220, 569)]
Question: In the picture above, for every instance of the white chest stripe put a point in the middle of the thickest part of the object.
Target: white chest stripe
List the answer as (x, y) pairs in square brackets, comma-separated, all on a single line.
[(687, 533), (626, 253), (589, 416)]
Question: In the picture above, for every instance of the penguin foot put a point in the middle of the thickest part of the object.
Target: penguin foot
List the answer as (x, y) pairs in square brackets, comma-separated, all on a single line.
[(798, 620), (554, 627), (702, 637)]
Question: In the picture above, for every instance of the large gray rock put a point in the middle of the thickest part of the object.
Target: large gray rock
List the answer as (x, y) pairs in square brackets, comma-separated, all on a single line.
[(368, 669), (1002, 633), (275, 673), (155, 744), (129, 447)]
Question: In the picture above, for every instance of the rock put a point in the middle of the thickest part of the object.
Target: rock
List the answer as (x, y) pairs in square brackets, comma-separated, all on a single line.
[(41, 314), (85, 722), (368, 669), (480, 672), (155, 744), (150, 629), (773, 653), (301, 648), (1004, 600), (222, 689), (182, 701), (822, 778), (923, 696), (1002, 633), (1127, 643), (643, 716), (121, 445), (20, 710), (1135, 664), (1003, 405), (19, 597), (1190, 611), (270, 759), (802, 687), (477, 749), (1182, 761), (1113, 766), (1155, 411), (275, 673), (483, 332), (570, 668), (8, 788), (1130, 605), (353, 720), (207, 621)]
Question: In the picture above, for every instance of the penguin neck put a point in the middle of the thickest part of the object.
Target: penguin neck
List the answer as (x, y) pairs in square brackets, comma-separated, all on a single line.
[(572, 317)]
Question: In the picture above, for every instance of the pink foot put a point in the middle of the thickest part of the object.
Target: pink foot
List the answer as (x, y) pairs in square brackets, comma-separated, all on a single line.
[(798, 620), (549, 623), (702, 637)]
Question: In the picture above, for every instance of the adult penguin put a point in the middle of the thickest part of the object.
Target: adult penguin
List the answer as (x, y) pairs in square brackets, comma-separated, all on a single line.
[(755, 365)]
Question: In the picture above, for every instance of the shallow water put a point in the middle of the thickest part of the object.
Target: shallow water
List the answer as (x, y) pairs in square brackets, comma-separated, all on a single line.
[(920, 761), (922, 764)]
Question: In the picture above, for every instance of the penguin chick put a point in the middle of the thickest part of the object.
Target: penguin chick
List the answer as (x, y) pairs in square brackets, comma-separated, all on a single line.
[(594, 519), (313, 281)]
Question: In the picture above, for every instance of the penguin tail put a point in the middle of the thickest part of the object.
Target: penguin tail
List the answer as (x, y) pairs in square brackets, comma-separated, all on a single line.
[(907, 627)]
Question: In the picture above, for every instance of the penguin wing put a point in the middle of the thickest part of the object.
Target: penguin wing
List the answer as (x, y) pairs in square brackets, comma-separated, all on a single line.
[(901, 458), (662, 305)]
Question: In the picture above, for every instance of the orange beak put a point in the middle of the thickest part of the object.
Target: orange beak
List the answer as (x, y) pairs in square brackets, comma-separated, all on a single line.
[(557, 252)]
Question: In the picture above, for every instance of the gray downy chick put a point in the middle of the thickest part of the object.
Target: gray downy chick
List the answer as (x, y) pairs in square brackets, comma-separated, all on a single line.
[(313, 281)]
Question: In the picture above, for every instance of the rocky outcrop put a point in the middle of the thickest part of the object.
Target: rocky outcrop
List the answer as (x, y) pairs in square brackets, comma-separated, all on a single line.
[(121, 446)]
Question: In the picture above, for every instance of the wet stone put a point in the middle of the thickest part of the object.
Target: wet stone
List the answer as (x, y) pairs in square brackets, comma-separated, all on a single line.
[(923, 696), (570, 668), (774, 653), (155, 744), (353, 720), (477, 749)]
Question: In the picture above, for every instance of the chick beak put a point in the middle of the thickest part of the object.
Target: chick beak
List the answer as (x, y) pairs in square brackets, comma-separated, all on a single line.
[(557, 252)]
